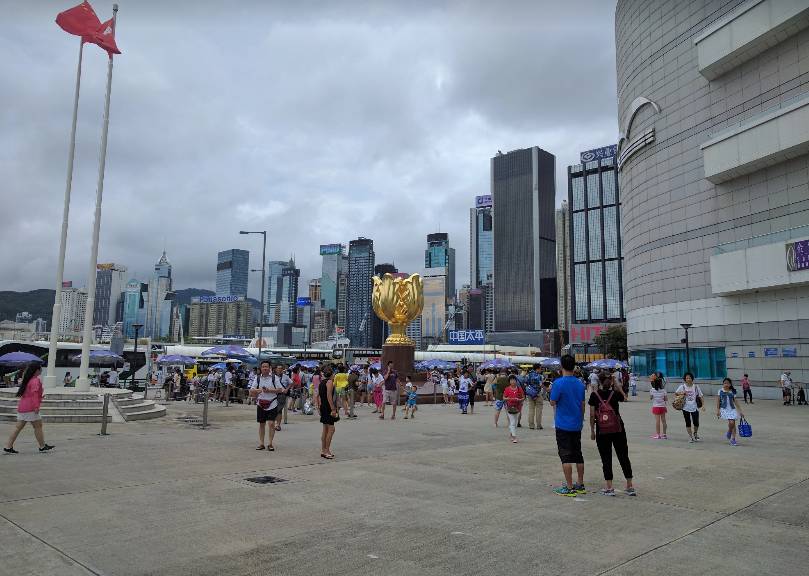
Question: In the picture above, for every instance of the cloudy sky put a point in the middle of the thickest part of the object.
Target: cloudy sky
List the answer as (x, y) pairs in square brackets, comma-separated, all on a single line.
[(318, 121)]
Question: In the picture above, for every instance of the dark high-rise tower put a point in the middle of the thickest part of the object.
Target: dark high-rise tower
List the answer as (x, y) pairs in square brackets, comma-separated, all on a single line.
[(361, 260), (523, 197)]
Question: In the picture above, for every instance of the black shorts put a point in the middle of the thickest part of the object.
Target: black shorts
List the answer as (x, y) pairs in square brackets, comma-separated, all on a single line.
[(326, 417), (569, 445), (266, 415)]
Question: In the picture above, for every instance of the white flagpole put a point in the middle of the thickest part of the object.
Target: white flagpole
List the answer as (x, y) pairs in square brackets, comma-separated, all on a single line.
[(50, 376), (84, 381)]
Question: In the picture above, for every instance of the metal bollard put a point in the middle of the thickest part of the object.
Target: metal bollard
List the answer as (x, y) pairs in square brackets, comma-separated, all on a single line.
[(205, 413), (286, 401), (105, 414)]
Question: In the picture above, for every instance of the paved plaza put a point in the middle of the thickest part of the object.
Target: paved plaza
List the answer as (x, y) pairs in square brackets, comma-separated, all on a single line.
[(441, 494)]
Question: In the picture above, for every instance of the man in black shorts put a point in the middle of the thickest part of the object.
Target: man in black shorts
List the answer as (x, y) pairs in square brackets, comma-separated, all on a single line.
[(567, 399), (267, 405)]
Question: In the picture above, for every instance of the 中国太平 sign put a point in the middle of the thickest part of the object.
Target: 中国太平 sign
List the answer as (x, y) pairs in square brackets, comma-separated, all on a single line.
[(797, 255), (467, 337)]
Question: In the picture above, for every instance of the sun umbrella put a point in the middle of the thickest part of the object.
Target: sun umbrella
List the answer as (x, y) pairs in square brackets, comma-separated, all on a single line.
[(376, 365), (233, 361), (219, 366), (608, 363), (496, 363), (176, 359), (551, 363), (19, 359), (101, 358), (228, 350), (309, 364)]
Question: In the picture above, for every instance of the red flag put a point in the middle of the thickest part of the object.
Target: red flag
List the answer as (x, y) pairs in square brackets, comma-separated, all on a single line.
[(104, 36), (80, 20)]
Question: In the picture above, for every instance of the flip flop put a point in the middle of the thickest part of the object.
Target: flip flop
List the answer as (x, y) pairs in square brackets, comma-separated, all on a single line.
[(327, 456), (270, 448), (260, 448)]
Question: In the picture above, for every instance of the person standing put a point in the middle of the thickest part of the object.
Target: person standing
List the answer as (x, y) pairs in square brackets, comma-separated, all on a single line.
[(30, 394), (608, 430), (282, 382), (412, 394), (567, 399), (659, 399), (471, 389), (327, 407), (377, 381), (786, 387), (445, 388), (365, 390), (748, 393), (391, 392), (694, 402), (533, 397), (633, 384), (488, 387), (500, 385), (463, 393), (351, 390), (265, 392), (726, 409), (513, 397), (341, 389)]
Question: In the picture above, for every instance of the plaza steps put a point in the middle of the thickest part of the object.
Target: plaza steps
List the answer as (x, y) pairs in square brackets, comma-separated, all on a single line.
[(69, 406)]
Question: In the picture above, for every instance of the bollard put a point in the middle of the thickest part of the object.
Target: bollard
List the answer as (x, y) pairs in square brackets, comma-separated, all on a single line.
[(205, 413), (286, 401), (104, 414), (435, 399)]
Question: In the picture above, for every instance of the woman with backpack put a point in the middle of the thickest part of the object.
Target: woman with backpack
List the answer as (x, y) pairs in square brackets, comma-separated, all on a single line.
[(607, 429), (513, 397), (30, 394), (691, 400)]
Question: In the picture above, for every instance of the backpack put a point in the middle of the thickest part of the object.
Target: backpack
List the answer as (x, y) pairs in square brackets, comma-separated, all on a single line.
[(531, 391), (608, 420)]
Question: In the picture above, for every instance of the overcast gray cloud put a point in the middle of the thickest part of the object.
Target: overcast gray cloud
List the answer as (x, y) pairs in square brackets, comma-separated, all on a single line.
[(319, 121)]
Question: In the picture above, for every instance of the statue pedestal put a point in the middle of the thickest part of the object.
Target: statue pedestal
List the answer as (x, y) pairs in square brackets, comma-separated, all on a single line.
[(402, 356)]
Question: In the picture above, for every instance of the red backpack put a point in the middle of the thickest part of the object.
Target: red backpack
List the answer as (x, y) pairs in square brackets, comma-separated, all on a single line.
[(608, 420)]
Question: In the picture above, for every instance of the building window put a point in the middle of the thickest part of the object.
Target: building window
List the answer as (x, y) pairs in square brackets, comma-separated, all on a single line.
[(594, 227), (608, 186), (613, 289), (592, 191), (592, 164), (578, 193), (596, 292), (610, 232), (581, 291), (706, 363), (608, 161), (579, 238)]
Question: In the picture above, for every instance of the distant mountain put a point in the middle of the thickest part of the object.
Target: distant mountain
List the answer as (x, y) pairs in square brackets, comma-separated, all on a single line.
[(38, 302), (184, 296)]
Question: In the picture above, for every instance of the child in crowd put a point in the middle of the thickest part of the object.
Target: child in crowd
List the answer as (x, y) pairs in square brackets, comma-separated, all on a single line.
[(513, 397), (411, 390), (726, 409), (658, 395)]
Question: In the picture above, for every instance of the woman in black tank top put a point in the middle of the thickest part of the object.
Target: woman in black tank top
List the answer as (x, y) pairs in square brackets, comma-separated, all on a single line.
[(328, 413)]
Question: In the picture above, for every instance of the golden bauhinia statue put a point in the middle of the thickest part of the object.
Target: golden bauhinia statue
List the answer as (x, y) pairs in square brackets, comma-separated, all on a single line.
[(398, 301)]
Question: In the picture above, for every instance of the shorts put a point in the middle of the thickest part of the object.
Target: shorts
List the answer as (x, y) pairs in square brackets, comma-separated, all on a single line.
[(659, 410), (341, 392), (266, 415), (568, 443), (326, 417), (28, 417), (445, 389), (391, 397), (411, 403), (728, 414), (370, 388), (498, 405)]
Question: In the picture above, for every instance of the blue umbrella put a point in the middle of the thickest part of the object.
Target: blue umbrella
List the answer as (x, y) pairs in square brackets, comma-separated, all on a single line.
[(607, 363), (176, 359), (309, 363), (220, 366), (496, 363), (101, 358), (229, 350), (377, 365), (19, 359), (551, 363)]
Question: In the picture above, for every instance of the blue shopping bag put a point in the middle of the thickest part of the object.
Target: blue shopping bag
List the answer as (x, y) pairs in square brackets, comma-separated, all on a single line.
[(745, 430)]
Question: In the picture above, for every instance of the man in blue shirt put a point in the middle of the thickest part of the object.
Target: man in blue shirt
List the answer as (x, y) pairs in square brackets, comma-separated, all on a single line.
[(567, 399)]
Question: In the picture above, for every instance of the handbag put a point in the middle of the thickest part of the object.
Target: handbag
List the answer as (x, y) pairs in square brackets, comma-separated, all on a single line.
[(745, 429), (679, 401)]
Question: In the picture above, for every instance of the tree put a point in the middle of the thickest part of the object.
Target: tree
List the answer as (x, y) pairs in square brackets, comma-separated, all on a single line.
[(612, 341)]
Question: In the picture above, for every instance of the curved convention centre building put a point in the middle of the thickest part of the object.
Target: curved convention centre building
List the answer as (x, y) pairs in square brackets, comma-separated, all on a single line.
[(713, 104)]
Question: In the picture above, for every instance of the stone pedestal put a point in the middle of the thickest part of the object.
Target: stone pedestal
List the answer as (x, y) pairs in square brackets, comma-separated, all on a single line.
[(402, 355)]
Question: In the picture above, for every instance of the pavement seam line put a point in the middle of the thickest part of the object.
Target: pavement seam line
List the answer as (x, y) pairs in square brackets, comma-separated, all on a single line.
[(700, 528), (52, 547)]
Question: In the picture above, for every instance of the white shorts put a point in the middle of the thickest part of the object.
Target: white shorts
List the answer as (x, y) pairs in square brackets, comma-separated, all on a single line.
[(728, 414), (28, 417)]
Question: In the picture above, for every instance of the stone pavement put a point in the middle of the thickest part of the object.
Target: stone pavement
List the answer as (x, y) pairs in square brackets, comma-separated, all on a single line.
[(442, 494)]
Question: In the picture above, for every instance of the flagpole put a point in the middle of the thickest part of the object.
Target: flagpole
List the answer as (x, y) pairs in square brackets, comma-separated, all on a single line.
[(50, 376), (84, 381)]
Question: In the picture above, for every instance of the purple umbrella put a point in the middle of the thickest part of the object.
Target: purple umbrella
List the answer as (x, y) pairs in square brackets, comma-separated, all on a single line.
[(101, 358), (229, 350), (496, 363), (19, 359), (176, 359)]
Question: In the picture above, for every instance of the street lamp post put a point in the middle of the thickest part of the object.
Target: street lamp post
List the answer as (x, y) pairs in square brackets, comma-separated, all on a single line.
[(263, 278), (687, 353), (137, 328)]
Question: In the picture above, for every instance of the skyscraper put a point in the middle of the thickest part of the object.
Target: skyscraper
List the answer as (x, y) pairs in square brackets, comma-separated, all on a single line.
[(342, 296), (361, 260), (481, 258), (563, 271), (158, 312), (109, 300), (434, 314), (439, 255), (282, 292), (232, 271), (594, 232), (315, 292), (74, 304), (523, 196), (332, 266)]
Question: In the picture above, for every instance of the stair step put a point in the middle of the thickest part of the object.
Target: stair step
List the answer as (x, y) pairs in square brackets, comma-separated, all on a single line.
[(155, 412), (60, 418)]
